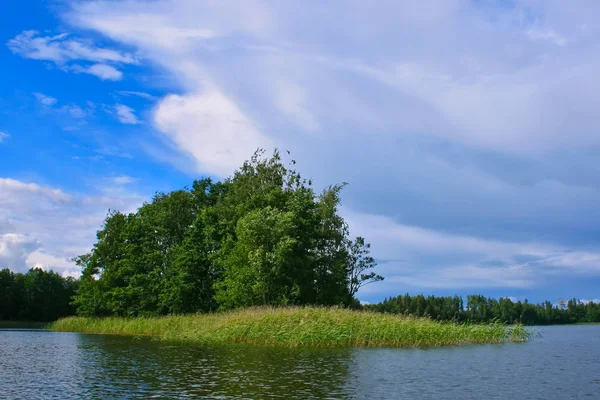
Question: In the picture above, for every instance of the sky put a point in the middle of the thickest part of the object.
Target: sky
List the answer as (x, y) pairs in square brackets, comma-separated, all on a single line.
[(467, 130)]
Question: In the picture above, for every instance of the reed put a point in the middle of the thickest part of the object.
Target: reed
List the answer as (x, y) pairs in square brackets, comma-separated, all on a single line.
[(299, 326)]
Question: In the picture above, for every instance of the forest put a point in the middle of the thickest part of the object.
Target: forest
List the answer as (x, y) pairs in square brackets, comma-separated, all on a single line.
[(37, 295), (479, 309)]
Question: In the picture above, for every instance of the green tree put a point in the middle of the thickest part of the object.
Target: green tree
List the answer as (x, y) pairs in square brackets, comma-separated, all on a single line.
[(37, 295), (260, 237), (360, 265)]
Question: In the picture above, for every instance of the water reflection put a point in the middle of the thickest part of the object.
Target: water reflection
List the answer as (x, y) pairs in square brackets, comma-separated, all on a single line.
[(562, 364), (98, 366)]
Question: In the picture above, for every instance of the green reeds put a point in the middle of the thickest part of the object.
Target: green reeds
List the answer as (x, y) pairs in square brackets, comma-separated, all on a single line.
[(300, 326)]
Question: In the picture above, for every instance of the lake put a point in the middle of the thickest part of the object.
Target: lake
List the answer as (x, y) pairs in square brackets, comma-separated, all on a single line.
[(560, 362)]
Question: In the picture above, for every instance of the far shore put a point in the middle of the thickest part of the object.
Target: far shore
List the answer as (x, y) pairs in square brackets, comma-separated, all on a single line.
[(23, 324)]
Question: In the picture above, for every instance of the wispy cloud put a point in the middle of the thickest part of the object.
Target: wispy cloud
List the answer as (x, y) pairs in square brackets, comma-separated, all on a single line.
[(447, 118), (63, 50), (126, 114), (45, 100), (102, 71), (441, 260), (585, 301), (122, 180), (3, 136), (480, 98), (138, 94), (77, 112), (536, 33)]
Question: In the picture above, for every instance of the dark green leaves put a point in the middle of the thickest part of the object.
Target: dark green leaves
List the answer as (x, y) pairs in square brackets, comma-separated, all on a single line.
[(260, 237)]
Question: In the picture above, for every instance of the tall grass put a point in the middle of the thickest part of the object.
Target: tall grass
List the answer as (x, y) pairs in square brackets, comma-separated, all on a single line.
[(295, 327)]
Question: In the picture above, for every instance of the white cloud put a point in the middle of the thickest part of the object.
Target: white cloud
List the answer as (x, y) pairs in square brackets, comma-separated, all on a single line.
[(384, 230), (584, 301), (547, 34), (126, 114), (211, 128), (420, 127), (41, 259), (12, 189), (292, 100), (45, 226), (3, 136), (62, 50), (122, 180), (102, 71), (144, 95), (172, 25), (204, 122), (45, 100), (485, 77), (6, 226), (77, 112), (427, 258), (14, 250)]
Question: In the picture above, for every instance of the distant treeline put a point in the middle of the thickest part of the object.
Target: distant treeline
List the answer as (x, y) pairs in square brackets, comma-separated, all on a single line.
[(481, 309), (37, 295)]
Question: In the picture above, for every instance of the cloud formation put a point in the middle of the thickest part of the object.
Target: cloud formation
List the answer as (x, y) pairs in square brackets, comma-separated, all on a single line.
[(210, 128), (62, 50), (425, 258), (42, 226), (122, 180), (14, 250), (102, 71), (468, 127), (126, 114), (467, 130), (45, 100), (143, 95), (3, 136)]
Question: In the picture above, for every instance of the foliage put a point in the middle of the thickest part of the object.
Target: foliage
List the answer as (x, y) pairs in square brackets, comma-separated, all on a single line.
[(260, 237), (299, 326), (37, 295), (480, 309), (359, 263)]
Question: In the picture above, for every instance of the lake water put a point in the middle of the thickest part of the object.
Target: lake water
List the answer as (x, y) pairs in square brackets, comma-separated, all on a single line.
[(561, 362)]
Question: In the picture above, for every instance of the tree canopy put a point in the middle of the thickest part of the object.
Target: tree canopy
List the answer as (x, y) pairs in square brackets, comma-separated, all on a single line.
[(37, 295), (260, 237)]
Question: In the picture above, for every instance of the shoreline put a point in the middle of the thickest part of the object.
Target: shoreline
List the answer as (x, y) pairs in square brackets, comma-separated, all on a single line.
[(9, 324), (299, 327)]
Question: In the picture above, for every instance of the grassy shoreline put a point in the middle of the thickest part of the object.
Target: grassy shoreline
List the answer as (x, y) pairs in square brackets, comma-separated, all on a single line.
[(298, 327)]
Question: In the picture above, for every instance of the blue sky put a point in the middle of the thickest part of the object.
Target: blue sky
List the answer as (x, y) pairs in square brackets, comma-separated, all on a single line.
[(467, 130)]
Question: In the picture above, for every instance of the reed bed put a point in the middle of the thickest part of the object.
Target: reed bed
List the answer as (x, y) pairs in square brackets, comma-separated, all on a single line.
[(300, 327)]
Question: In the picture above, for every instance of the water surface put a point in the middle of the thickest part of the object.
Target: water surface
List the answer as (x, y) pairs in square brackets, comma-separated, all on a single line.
[(559, 363)]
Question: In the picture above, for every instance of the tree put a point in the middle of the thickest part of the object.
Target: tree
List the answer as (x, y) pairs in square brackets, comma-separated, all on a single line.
[(359, 265), (37, 295), (284, 244), (260, 237)]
